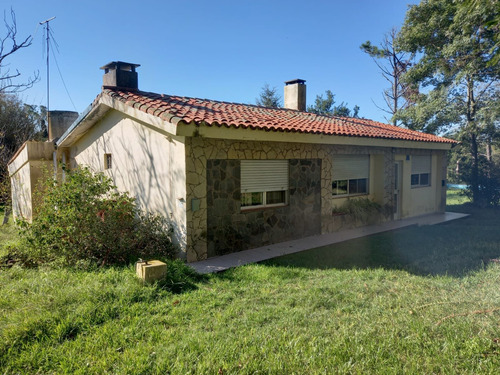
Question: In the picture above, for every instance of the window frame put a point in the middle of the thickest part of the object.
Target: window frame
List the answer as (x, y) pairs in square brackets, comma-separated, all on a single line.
[(348, 186), (108, 161), (283, 181), (421, 167), (350, 177)]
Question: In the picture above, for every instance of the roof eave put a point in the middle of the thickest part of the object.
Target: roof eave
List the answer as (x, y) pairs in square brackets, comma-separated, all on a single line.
[(82, 124), (223, 131)]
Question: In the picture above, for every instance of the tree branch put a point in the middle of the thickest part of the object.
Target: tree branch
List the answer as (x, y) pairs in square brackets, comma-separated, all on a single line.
[(6, 85)]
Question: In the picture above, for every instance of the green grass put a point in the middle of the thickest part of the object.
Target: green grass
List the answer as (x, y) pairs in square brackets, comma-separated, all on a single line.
[(455, 198), (420, 300)]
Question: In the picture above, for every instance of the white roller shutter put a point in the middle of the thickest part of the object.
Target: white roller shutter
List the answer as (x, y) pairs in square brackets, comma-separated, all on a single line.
[(351, 167), (264, 175), (420, 164)]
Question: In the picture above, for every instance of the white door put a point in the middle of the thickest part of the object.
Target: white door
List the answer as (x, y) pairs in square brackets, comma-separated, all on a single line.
[(397, 189)]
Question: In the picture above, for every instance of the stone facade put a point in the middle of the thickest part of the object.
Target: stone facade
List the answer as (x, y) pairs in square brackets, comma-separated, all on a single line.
[(230, 229), (203, 153)]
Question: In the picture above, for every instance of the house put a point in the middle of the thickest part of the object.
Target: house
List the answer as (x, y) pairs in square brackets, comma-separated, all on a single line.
[(236, 176)]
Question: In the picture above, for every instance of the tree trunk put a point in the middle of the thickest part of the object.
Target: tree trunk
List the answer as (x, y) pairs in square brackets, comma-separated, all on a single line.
[(476, 199), (472, 128)]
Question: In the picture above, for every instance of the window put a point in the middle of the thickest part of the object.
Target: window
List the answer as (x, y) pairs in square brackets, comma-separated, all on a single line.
[(420, 170), (350, 174), (108, 161), (264, 183)]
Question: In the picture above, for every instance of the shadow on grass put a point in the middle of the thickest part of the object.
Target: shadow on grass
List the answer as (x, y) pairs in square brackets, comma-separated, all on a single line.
[(453, 248), (180, 278)]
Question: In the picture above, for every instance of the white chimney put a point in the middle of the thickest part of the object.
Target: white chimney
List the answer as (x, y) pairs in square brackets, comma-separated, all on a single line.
[(295, 94)]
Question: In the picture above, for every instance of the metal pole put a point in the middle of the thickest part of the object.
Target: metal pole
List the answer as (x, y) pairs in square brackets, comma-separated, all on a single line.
[(47, 28)]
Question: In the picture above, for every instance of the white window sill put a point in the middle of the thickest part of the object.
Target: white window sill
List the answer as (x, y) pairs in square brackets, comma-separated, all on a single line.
[(262, 207), (349, 195)]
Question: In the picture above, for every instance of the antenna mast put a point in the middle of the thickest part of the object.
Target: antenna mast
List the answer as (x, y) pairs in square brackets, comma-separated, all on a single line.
[(47, 30)]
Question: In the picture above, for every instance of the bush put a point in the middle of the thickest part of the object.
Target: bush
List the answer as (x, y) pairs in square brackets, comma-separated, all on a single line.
[(363, 210), (488, 181), (85, 220)]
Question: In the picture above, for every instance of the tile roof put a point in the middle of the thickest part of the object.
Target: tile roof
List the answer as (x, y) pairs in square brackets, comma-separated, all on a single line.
[(179, 110)]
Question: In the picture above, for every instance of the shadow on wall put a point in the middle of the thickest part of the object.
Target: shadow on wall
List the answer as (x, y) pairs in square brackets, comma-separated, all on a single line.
[(153, 178), (143, 164)]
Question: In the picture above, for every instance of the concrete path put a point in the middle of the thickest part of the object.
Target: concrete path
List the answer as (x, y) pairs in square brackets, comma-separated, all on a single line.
[(224, 262)]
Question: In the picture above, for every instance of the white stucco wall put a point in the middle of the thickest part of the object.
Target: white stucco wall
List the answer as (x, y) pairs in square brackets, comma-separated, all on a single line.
[(21, 192), (29, 168), (146, 163), (422, 200)]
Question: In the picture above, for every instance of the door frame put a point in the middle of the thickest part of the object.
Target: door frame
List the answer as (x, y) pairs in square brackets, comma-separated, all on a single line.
[(397, 189)]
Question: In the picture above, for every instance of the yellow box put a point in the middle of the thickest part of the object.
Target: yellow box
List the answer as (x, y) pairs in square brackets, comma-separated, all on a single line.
[(152, 270)]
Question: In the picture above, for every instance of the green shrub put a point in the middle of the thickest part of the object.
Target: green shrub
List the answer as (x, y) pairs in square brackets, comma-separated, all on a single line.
[(488, 181), (85, 220), (362, 209)]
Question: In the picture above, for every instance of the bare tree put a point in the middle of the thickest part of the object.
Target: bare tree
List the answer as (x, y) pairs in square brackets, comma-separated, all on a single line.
[(8, 45), (394, 64)]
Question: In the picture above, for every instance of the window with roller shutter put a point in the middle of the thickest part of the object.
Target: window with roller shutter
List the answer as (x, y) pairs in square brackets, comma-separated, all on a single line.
[(350, 175), (264, 183), (420, 170)]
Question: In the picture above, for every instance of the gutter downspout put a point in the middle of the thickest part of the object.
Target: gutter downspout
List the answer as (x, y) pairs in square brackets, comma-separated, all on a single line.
[(54, 157), (63, 166)]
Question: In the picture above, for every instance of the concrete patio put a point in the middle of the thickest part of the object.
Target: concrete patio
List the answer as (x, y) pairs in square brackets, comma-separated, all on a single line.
[(224, 262)]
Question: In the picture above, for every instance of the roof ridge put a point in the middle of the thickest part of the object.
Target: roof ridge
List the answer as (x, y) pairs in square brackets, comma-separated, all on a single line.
[(240, 115)]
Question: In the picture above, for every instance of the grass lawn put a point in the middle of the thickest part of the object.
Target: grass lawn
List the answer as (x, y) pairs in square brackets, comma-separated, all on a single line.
[(420, 300)]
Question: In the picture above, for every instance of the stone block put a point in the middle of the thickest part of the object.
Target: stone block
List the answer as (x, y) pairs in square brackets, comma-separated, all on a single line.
[(150, 271)]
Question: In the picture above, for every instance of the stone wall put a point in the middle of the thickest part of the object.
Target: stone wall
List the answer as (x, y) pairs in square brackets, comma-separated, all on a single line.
[(230, 229), (199, 151)]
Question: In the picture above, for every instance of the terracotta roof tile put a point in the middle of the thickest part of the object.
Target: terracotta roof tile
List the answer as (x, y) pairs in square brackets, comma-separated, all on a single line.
[(215, 113)]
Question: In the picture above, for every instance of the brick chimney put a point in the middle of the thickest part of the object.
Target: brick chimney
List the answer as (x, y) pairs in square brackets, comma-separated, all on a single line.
[(119, 74), (295, 94)]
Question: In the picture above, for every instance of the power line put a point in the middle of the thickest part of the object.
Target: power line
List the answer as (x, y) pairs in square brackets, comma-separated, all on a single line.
[(61, 76)]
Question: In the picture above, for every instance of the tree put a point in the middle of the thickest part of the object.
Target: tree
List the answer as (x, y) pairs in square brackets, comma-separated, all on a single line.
[(456, 71), (393, 65), (492, 22), (8, 46), (326, 106), (19, 122), (269, 97)]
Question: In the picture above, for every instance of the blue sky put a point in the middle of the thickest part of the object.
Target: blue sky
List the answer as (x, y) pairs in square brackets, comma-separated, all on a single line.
[(221, 50)]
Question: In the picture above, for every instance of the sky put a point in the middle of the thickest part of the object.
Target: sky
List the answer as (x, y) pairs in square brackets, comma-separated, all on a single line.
[(220, 50)]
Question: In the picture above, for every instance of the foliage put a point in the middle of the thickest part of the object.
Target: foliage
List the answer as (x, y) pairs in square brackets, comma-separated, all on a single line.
[(9, 44), (85, 220), (454, 68), (394, 64), (488, 180), (362, 210), (19, 123), (492, 22), (8, 236), (326, 106), (419, 300), (269, 97), (433, 112)]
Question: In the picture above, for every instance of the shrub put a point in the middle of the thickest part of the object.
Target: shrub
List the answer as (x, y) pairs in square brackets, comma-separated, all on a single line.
[(362, 209), (488, 181), (86, 220)]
